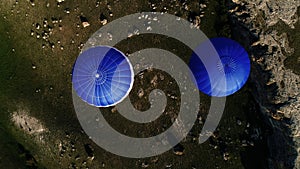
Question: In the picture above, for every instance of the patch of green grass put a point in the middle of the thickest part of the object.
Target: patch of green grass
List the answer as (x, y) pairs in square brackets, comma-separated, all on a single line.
[(14, 84), (7, 61)]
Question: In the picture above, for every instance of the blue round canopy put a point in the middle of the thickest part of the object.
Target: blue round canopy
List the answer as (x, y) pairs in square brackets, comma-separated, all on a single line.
[(102, 76), (233, 62)]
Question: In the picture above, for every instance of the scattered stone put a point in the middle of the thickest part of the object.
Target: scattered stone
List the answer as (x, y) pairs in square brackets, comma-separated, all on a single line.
[(251, 143), (97, 4), (114, 110), (52, 45), (54, 20), (85, 24), (244, 143), (109, 36), (84, 163), (238, 122), (136, 32), (130, 35), (248, 125), (50, 29), (77, 158), (37, 26), (172, 96), (155, 160), (84, 21), (149, 28), (178, 149), (197, 22), (169, 165), (104, 22), (141, 93), (145, 165), (226, 156), (202, 6), (154, 81), (162, 77), (29, 124), (200, 120), (67, 10)]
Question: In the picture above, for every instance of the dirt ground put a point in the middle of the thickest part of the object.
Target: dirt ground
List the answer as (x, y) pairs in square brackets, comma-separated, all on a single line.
[(40, 41)]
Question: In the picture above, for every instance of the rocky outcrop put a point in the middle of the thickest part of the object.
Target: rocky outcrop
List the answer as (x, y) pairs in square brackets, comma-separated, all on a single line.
[(28, 124), (277, 88)]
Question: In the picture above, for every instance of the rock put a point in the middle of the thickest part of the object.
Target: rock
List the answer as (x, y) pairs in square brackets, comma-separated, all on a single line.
[(226, 156), (145, 165), (154, 81), (114, 110), (67, 10), (155, 160), (33, 66), (85, 24), (162, 77), (276, 87), (238, 122), (169, 166), (84, 21), (29, 124), (104, 22), (141, 93), (89, 150), (37, 26), (77, 158), (178, 150)]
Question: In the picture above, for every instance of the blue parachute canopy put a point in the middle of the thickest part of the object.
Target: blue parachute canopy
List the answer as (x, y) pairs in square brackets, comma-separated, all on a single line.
[(235, 65), (102, 76)]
